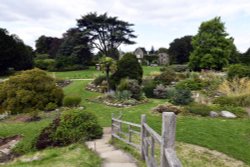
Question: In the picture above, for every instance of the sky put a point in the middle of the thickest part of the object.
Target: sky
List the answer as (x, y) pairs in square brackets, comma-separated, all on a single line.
[(157, 22)]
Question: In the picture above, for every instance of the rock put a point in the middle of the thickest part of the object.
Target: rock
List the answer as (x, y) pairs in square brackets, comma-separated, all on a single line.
[(227, 114), (57, 110), (81, 108), (213, 114)]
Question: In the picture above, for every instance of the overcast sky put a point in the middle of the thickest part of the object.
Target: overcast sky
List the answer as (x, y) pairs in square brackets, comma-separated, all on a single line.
[(157, 22)]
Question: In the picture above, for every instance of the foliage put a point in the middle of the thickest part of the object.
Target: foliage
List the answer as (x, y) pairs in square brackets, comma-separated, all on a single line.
[(212, 47), (238, 70), (166, 77), (50, 106), (105, 32), (189, 84), (180, 49), (98, 80), (14, 53), (236, 100), (71, 127), (167, 107), (182, 97), (179, 67), (132, 86), (245, 57), (127, 67), (235, 87), (109, 66), (199, 109), (160, 92), (148, 88), (48, 45), (123, 95), (74, 50), (45, 64), (72, 101), (31, 89)]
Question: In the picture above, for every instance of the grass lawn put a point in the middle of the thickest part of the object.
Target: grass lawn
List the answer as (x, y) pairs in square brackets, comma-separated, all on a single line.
[(92, 73), (71, 156), (231, 137)]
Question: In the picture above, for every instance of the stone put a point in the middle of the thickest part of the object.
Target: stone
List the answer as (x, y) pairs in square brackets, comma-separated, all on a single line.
[(213, 114), (81, 108), (227, 114)]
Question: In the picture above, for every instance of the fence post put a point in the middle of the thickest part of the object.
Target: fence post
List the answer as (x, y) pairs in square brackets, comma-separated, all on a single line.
[(168, 135), (143, 135), (112, 128)]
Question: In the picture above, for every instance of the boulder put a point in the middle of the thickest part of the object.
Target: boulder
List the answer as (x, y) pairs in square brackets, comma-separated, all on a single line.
[(213, 114), (227, 114)]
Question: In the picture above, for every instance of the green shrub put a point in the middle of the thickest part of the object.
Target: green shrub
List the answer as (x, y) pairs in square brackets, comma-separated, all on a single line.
[(189, 84), (29, 90), (241, 100), (50, 106), (132, 86), (71, 127), (179, 67), (148, 88), (182, 97), (160, 92), (45, 64), (127, 67), (238, 70), (199, 109), (166, 77), (123, 95), (72, 101), (98, 80)]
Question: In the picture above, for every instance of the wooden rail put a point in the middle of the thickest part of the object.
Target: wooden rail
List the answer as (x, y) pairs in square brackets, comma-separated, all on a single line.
[(149, 138)]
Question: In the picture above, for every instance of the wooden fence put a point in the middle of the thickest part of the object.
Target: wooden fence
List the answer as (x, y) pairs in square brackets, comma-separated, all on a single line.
[(149, 138)]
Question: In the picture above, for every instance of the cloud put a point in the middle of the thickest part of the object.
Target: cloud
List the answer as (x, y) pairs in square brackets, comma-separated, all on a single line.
[(156, 22)]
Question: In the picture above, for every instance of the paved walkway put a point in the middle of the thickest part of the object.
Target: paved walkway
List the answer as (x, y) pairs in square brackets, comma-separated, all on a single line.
[(112, 157)]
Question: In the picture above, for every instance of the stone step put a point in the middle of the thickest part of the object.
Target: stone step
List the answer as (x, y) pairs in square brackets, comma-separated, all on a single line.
[(116, 156), (110, 164), (105, 149)]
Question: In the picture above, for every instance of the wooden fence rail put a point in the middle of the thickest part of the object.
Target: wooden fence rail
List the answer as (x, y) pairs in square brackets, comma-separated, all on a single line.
[(149, 138)]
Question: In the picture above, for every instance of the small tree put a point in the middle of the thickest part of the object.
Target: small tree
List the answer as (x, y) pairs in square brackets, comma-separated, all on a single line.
[(127, 67), (108, 65), (212, 47)]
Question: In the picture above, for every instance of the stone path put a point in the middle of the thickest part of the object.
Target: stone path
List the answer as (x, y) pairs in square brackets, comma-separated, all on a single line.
[(112, 157)]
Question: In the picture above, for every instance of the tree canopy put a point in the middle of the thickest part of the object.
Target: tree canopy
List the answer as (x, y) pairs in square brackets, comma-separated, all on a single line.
[(14, 53), (180, 49), (105, 32), (212, 46)]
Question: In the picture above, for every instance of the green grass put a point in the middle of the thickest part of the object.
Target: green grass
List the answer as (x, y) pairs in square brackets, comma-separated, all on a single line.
[(231, 137), (71, 156), (92, 73)]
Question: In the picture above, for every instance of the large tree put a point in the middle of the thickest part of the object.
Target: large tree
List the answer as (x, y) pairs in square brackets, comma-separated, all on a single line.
[(106, 33), (180, 49), (212, 47), (14, 53)]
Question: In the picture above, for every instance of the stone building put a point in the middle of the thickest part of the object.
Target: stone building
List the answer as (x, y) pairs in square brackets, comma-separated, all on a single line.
[(163, 58)]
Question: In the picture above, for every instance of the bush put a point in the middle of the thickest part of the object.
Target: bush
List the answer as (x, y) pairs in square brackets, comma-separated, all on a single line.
[(127, 67), (98, 80), (45, 64), (132, 86), (148, 88), (166, 77), (72, 101), (189, 84), (182, 97), (160, 92), (199, 109), (179, 67), (238, 70), (123, 95), (241, 100), (71, 127), (167, 108), (29, 90), (50, 106)]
